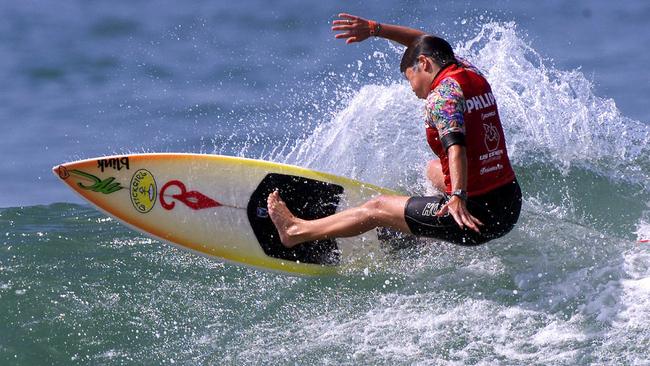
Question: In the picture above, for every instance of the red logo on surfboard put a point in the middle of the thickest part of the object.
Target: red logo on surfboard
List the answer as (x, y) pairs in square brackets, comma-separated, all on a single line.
[(192, 199)]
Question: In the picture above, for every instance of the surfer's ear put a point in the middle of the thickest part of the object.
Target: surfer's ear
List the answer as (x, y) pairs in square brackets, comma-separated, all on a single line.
[(425, 63)]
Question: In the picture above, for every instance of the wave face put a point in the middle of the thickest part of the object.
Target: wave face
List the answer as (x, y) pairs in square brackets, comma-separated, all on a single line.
[(570, 285)]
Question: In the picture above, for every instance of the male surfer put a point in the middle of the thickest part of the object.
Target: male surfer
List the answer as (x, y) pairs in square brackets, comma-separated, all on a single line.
[(481, 199)]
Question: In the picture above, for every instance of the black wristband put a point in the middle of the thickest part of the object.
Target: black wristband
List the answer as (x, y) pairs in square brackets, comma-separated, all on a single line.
[(453, 138)]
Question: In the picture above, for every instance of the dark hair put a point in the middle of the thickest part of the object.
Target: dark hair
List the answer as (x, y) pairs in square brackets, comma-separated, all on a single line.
[(436, 48)]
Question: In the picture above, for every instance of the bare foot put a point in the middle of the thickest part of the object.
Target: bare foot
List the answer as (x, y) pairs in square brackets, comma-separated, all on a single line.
[(285, 222)]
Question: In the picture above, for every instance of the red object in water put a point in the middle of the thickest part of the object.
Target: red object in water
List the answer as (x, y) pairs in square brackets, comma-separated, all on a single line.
[(644, 241), (192, 199)]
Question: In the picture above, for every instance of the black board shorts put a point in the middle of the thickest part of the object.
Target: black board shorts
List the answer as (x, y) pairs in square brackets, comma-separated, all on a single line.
[(498, 210)]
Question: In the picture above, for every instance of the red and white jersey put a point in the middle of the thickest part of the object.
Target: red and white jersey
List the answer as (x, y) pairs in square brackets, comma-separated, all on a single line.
[(461, 109)]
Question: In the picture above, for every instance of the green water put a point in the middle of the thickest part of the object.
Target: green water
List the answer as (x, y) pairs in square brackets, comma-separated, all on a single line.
[(79, 288)]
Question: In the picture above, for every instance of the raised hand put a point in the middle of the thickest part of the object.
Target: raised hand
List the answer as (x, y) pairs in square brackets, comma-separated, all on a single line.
[(354, 28)]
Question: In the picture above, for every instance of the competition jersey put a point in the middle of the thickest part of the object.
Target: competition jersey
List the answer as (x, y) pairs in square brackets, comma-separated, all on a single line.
[(461, 109)]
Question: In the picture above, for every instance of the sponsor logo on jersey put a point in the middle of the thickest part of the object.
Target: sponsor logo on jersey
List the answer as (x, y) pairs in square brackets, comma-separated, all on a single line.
[(485, 116), (492, 138), (490, 169), (480, 102), (491, 154)]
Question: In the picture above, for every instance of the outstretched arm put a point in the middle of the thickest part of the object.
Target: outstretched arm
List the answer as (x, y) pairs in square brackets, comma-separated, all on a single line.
[(357, 29)]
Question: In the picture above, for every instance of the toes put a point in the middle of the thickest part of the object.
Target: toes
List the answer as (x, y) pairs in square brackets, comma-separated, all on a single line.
[(272, 198), (275, 204)]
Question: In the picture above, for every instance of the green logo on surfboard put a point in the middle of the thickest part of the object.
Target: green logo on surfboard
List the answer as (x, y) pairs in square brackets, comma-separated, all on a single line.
[(106, 186)]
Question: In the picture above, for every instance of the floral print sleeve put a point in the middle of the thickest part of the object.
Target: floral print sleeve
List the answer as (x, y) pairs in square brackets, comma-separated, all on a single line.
[(444, 111)]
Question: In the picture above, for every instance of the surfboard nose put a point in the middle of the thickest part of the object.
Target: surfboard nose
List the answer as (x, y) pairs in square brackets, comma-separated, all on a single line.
[(61, 171)]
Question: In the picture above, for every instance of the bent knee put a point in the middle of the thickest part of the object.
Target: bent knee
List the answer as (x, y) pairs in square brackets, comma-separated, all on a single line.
[(435, 175), (376, 203), (377, 208), (434, 166)]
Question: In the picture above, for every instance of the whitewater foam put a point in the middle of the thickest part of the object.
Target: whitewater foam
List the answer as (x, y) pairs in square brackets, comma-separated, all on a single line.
[(643, 228), (549, 116), (554, 114)]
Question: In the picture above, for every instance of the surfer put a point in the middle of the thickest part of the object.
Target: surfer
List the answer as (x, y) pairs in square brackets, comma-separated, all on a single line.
[(479, 197)]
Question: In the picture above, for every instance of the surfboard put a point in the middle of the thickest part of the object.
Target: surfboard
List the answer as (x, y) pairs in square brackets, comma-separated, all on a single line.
[(215, 205)]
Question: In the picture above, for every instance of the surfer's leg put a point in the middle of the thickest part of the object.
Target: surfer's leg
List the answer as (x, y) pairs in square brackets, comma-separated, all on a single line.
[(434, 173), (387, 211)]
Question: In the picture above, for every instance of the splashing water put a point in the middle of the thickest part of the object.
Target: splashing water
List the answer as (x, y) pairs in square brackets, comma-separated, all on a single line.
[(553, 114), (550, 116)]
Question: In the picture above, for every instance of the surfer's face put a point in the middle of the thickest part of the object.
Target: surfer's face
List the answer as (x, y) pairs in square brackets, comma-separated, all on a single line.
[(421, 75)]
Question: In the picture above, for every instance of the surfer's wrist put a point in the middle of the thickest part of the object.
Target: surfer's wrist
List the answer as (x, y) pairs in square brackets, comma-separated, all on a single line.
[(374, 28), (460, 193), (397, 33)]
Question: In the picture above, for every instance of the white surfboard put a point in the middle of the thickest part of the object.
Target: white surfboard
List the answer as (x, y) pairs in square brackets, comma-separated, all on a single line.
[(216, 205)]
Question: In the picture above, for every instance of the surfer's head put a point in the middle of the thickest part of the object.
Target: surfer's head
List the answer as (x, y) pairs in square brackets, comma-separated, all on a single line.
[(423, 59)]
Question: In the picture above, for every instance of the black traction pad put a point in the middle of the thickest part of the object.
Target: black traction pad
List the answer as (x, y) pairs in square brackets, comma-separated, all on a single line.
[(307, 199)]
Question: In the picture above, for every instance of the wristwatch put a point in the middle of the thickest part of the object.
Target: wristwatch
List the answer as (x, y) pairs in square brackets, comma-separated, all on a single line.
[(375, 27), (461, 193)]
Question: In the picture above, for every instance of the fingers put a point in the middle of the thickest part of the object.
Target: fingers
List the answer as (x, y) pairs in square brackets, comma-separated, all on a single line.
[(349, 36), (462, 217), (447, 209), (341, 24), (342, 28), (354, 28), (457, 218), (469, 222), (477, 221), (443, 210), (348, 16)]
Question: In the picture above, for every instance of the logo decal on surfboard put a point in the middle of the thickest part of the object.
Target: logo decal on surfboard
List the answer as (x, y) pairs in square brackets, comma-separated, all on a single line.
[(192, 199), (63, 172), (105, 186), (115, 163), (143, 191)]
